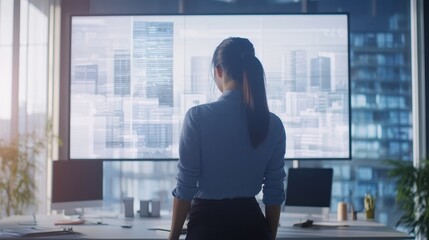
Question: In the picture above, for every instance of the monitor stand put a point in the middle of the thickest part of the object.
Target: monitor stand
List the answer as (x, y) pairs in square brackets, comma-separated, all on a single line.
[(73, 217)]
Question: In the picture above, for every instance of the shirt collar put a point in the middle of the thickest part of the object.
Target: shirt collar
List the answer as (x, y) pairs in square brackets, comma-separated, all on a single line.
[(234, 94)]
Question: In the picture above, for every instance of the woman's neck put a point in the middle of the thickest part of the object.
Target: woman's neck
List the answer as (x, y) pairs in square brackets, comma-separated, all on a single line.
[(229, 85)]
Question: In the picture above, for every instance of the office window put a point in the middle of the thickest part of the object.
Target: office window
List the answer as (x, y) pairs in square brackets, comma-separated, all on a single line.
[(33, 70), (6, 33), (381, 99), (31, 78)]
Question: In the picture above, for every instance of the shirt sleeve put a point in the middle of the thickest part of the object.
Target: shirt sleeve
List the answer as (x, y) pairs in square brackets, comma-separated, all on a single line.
[(273, 189), (189, 158)]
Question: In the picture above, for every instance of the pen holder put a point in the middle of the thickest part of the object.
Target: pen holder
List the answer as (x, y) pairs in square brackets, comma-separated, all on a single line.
[(369, 213), (150, 208), (129, 207), (342, 211)]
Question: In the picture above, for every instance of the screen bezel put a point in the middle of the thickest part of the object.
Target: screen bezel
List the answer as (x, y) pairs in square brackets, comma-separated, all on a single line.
[(68, 127)]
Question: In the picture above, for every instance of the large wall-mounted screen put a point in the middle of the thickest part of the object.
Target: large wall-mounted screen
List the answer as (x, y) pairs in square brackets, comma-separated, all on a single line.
[(132, 79)]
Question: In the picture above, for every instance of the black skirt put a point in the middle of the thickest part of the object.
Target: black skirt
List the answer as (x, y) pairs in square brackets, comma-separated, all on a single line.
[(237, 218)]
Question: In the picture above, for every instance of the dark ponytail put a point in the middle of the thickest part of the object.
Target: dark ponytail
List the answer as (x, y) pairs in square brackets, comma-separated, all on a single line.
[(236, 56), (256, 100)]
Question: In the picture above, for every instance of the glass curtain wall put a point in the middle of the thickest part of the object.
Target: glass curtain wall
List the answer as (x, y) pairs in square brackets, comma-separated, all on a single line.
[(380, 44), (380, 74), (32, 79), (6, 38), (380, 81), (6, 51), (34, 82)]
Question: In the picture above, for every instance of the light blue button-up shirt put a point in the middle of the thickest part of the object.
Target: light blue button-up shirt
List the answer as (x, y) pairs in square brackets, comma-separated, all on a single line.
[(217, 160)]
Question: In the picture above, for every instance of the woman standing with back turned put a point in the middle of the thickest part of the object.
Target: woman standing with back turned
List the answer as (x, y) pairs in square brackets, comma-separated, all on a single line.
[(229, 150)]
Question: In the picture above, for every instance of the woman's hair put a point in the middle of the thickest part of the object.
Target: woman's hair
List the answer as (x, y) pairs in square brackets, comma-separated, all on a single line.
[(236, 57)]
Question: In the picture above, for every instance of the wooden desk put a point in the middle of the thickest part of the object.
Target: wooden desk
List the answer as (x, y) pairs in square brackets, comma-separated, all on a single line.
[(111, 229)]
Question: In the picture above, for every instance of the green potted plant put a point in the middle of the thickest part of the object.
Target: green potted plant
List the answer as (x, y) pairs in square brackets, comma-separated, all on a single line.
[(18, 168), (412, 195)]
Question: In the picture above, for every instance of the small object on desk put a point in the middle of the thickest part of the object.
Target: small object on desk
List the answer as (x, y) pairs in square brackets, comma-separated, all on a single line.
[(370, 214), (156, 208), (69, 222), (144, 208), (129, 207), (354, 215), (342, 211), (306, 224), (150, 208), (369, 206), (352, 210)]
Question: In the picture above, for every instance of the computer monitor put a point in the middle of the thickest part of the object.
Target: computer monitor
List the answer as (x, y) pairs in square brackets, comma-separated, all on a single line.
[(77, 184), (309, 191)]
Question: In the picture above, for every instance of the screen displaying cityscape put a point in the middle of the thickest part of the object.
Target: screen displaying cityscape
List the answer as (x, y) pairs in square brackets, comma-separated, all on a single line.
[(134, 77)]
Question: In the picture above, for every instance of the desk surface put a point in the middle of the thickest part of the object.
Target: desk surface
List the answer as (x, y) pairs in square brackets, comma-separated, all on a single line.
[(111, 228)]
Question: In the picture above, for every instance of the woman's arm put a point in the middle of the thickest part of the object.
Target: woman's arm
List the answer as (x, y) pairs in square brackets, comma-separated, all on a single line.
[(273, 189), (272, 214), (189, 171), (180, 211)]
